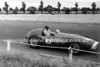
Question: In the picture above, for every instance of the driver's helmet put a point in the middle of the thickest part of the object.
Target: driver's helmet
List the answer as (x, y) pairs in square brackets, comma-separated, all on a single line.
[(46, 27), (57, 31)]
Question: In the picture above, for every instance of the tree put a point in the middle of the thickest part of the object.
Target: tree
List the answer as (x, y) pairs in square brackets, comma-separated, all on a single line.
[(93, 7), (98, 10), (59, 6), (41, 6), (73, 9), (6, 7), (66, 10), (76, 7), (55, 9), (17, 8), (0, 9), (10, 9), (49, 8), (15, 11), (31, 9), (85, 10), (23, 7), (46, 8)]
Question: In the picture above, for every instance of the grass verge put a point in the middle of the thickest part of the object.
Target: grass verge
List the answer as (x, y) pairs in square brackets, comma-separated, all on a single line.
[(26, 59)]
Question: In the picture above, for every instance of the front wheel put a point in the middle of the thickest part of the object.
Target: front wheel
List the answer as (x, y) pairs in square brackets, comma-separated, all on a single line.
[(75, 46)]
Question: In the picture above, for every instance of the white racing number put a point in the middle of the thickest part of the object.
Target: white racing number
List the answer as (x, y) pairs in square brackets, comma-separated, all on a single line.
[(48, 41)]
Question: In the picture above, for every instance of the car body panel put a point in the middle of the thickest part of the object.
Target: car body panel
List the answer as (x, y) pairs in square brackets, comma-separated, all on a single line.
[(63, 39)]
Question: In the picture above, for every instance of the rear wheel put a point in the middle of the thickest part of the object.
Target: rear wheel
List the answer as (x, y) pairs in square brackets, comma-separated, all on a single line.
[(33, 40), (33, 43)]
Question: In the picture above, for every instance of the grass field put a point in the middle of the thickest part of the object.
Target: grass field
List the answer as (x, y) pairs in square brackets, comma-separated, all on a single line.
[(25, 59)]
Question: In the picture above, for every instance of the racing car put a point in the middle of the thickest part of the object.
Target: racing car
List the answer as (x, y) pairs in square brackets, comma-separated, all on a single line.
[(60, 40)]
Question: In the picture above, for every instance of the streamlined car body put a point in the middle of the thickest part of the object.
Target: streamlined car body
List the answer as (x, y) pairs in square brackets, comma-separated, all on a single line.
[(60, 40)]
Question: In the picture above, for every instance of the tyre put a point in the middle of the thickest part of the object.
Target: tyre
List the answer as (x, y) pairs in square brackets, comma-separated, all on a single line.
[(33, 40), (75, 46), (33, 37)]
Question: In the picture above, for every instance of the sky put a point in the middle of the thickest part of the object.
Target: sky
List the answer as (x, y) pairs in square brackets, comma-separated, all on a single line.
[(36, 3)]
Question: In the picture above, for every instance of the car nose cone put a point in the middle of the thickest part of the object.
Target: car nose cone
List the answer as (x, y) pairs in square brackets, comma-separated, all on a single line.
[(94, 46)]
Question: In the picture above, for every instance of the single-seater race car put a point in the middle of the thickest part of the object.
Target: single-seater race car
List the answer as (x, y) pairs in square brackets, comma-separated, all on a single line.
[(60, 40)]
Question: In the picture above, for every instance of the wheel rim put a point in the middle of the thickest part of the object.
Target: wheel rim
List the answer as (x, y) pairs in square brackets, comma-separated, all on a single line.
[(75, 46), (33, 41)]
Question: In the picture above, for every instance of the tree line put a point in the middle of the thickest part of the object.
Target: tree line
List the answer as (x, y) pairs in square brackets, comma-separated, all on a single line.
[(49, 9)]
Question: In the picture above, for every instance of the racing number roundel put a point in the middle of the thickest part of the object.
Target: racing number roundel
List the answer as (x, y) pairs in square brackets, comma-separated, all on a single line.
[(48, 41)]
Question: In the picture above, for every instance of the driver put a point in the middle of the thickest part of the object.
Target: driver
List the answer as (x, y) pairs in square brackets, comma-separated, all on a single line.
[(47, 31)]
